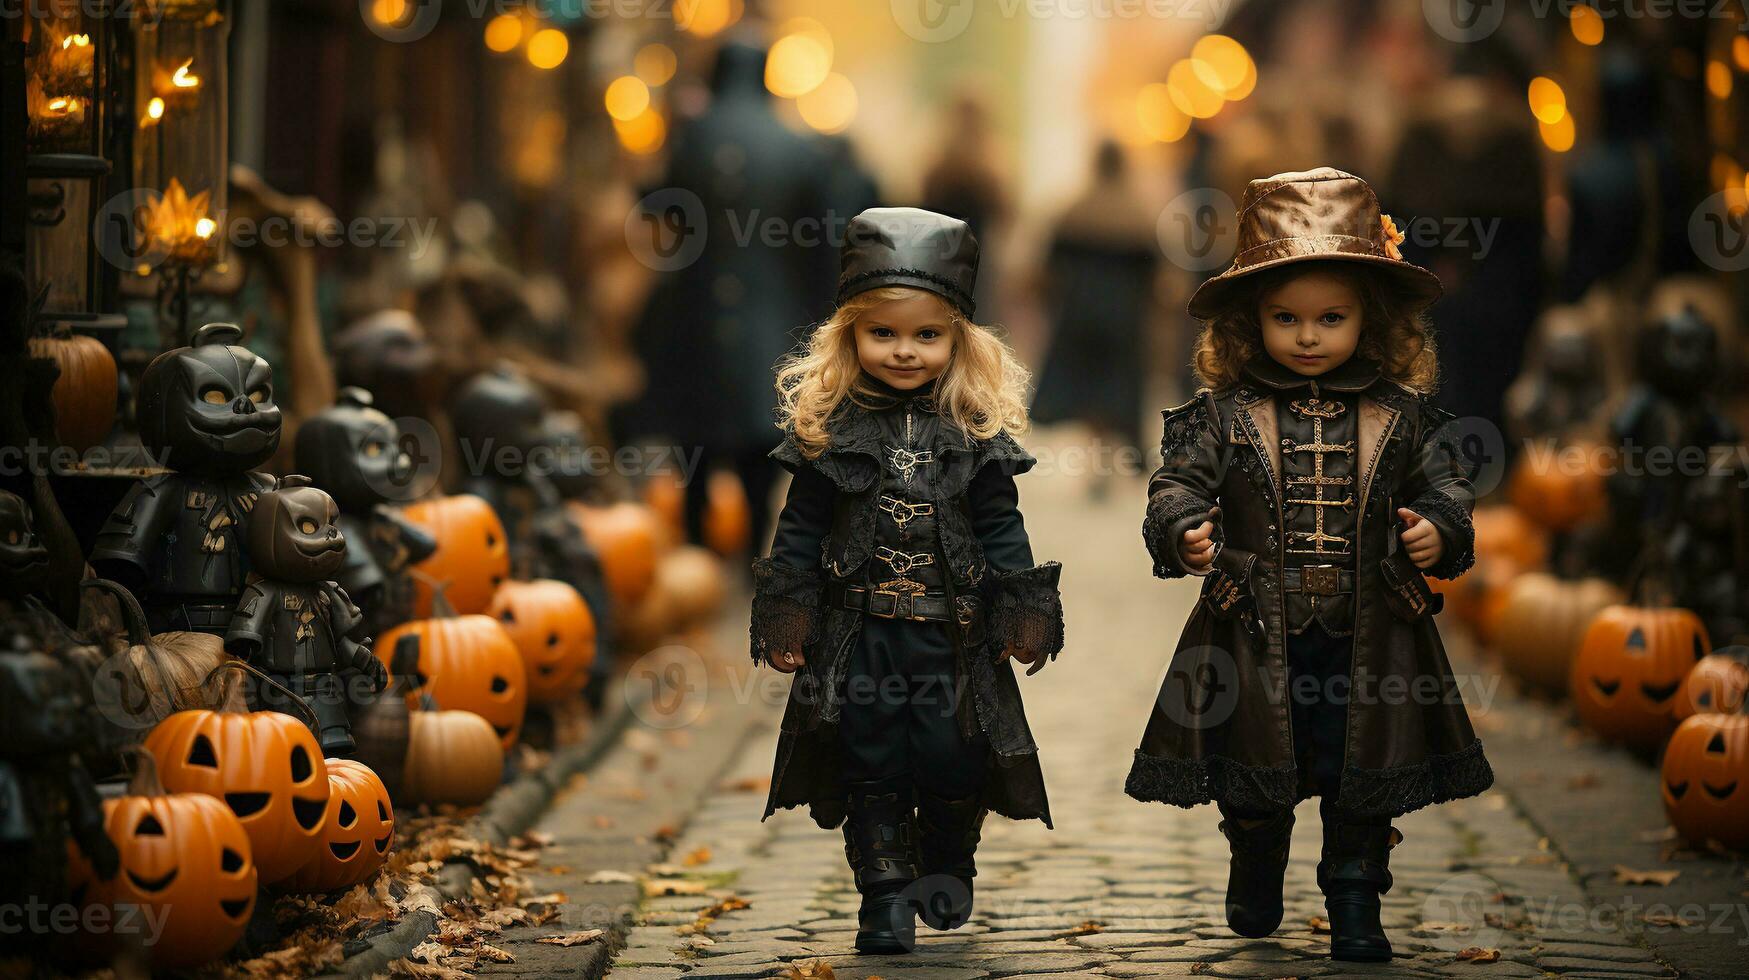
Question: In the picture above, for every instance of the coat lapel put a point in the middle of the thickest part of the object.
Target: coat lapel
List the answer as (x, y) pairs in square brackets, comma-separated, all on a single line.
[(1257, 419), (1376, 422)]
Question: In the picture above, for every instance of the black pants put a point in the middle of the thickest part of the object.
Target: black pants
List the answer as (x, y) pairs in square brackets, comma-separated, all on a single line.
[(898, 713), (1318, 692)]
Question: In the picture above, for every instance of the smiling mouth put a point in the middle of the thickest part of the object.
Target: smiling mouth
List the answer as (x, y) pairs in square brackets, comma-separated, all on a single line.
[(1308, 357), (152, 884), (344, 851), (1719, 792)]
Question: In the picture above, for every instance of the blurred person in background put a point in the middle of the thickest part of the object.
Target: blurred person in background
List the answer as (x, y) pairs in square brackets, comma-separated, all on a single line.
[(714, 327), (1098, 294)]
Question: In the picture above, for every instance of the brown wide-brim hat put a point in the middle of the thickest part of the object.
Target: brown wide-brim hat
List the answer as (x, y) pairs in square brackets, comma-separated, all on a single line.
[(1316, 216)]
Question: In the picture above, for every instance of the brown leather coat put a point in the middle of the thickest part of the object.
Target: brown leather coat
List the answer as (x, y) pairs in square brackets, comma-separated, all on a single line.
[(1220, 728)]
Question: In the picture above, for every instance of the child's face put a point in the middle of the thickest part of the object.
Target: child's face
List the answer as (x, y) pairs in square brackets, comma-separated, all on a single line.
[(1311, 323), (905, 342)]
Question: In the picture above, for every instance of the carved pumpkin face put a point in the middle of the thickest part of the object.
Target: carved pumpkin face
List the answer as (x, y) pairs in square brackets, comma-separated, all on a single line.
[(1629, 668), (23, 559), (185, 857), (467, 663), (1718, 683), (472, 556), (354, 452), (266, 766), (294, 533), (1706, 779), (552, 627), (452, 757), (358, 829), (209, 406)]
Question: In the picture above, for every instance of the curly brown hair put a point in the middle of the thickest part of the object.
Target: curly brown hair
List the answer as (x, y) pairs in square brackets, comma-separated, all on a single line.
[(1394, 328)]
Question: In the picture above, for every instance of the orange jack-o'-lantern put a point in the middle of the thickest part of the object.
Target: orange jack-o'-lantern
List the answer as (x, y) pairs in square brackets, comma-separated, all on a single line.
[(466, 663), (266, 766), (472, 557), (452, 757), (692, 578), (1718, 682), (186, 861), (625, 536), (1706, 779), (357, 830), (553, 628), (1629, 668)]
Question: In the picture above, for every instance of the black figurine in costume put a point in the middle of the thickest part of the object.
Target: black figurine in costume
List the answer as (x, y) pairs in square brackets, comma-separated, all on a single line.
[(206, 412), (354, 452), (293, 622), (901, 580)]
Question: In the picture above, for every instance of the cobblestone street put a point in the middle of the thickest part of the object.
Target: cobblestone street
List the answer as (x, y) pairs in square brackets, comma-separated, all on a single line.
[(1118, 889)]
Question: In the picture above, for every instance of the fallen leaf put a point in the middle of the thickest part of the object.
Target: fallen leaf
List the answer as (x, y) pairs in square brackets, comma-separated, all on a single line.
[(1656, 836), (1319, 924), (752, 784), (551, 898), (572, 938), (701, 855), (1666, 920), (1476, 954), (1585, 780), (603, 822), (656, 887), (1625, 875), (1088, 928), (487, 951), (605, 877), (812, 970)]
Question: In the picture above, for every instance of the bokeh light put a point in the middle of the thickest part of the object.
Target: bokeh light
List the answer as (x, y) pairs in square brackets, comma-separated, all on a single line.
[(548, 48), (627, 97), (831, 106), (655, 64)]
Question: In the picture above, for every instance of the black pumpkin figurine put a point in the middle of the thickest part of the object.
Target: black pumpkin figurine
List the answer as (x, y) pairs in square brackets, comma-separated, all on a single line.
[(293, 622), (354, 452), (46, 795), (206, 413)]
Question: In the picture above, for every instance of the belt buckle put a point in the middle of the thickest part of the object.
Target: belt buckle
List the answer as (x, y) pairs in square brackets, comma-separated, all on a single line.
[(1320, 579), (891, 604)]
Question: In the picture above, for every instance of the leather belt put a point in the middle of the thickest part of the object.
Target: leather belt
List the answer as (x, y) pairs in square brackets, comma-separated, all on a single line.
[(893, 604), (1318, 579)]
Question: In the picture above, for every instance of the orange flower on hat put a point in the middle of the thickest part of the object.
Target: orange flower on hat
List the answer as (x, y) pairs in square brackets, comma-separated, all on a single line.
[(1393, 237)]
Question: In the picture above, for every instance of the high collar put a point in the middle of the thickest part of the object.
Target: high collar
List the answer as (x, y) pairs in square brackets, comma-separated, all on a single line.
[(871, 392), (1355, 374)]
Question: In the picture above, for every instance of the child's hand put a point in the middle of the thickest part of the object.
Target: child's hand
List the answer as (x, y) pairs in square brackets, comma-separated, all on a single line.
[(788, 661), (1025, 657), (1421, 538), (1198, 547)]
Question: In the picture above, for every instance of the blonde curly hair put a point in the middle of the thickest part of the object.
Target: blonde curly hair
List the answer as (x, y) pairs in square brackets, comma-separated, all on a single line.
[(1394, 328), (982, 390)]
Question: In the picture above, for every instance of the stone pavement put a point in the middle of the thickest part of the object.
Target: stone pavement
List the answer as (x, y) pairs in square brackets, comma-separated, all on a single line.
[(1119, 888)]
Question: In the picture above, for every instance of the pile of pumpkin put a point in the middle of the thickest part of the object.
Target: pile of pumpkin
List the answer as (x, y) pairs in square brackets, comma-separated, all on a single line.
[(222, 803), (1639, 674)]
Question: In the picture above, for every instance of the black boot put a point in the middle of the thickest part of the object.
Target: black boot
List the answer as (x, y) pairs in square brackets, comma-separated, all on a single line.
[(950, 830), (880, 843), (1254, 877), (1355, 871)]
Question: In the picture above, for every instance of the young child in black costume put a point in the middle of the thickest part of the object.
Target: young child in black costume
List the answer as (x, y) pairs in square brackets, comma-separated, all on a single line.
[(901, 579), (1311, 484)]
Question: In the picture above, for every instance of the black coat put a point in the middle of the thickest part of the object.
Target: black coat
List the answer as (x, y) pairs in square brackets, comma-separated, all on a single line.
[(1220, 728), (826, 535)]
